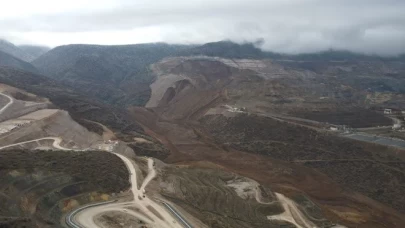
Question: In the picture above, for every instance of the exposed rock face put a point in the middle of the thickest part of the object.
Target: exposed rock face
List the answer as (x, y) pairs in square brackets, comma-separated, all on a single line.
[(185, 87)]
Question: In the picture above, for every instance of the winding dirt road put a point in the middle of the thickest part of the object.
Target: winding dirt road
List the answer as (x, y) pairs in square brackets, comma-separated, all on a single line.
[(56, 143), (147, 210)]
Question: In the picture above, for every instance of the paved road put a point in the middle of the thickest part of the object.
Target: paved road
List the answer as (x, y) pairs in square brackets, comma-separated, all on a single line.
[(377, 139), (182, 220), (69, 219), (8, 104), (149, 211)]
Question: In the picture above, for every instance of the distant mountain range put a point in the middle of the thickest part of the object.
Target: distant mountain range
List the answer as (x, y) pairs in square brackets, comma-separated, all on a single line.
[(228, 49), (26, 53), (34, 51), (10, 61), (99, 70)]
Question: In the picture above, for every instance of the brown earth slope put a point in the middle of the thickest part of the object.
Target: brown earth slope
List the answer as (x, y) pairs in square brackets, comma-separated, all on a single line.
[(287, 158)]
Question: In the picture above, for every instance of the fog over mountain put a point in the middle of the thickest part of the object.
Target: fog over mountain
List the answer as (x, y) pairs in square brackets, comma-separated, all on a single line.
[(288, 26)]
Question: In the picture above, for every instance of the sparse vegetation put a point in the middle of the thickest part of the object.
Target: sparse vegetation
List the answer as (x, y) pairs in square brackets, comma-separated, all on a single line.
[(100, 168), (348, 162), (42, 185), (204, 193), (353, 117)]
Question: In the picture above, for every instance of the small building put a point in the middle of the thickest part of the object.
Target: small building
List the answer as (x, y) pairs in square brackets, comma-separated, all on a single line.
[(387, 111)]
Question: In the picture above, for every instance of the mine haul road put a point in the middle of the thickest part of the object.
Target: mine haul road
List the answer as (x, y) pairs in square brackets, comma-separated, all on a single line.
[(148, 211), (56, 143), (8, 104)]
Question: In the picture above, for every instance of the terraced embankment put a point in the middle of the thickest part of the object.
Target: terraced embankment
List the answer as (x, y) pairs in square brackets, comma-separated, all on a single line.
[(48, 163)]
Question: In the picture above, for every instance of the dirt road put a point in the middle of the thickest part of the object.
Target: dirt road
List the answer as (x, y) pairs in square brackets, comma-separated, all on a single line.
[(291, 213), (8, 104), (150, 176), (148, 211), (56, 143)]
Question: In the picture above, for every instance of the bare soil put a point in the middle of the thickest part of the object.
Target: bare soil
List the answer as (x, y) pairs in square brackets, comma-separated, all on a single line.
[(197, 145)]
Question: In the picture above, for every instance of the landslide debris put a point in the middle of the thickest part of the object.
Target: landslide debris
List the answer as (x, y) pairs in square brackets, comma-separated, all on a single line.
[(346, 161)]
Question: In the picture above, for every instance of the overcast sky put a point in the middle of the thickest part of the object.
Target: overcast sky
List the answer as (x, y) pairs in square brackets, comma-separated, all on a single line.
[(289, 26)]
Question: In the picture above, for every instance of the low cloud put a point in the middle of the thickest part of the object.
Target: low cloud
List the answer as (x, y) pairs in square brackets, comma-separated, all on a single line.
[(288, 26)]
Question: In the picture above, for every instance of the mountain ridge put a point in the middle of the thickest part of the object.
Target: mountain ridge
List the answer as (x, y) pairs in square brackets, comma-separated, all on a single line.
[(34, 50), (15, 51), (11, 61)]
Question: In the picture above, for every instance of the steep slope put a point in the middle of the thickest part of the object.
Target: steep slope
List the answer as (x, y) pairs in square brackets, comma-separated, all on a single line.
[(115, 74), (84, 110), (338, 93), (120, 75), (15, 51), (39, 187), (49, 163), (195, 110), (10, 61), (49, 167), (34, 51)]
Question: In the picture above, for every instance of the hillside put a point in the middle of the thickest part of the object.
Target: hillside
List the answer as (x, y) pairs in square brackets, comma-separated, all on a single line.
[(268, 120), (115, 74), (10, 61), (41, 186), (120, 75), (50, 163), (50, 168), (15, 51), (236, 109), (339, 93), (84, 110)]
